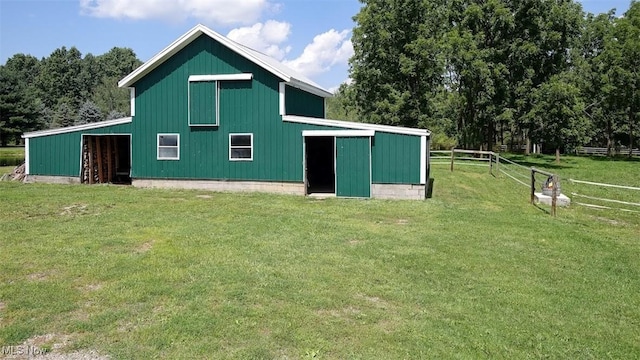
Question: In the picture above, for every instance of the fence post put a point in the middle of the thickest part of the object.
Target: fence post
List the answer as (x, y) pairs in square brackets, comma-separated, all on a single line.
[(452, 154), (533, 185), (498, 163), (554, 194), (491, 163)]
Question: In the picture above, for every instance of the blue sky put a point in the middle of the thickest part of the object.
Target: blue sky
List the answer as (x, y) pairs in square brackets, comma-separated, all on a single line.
[(311, 36)]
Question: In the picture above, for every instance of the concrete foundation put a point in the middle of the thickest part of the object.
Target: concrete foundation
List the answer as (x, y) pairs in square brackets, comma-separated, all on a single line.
[(398, 191), (52, 179), (213, 185), (562, 200)]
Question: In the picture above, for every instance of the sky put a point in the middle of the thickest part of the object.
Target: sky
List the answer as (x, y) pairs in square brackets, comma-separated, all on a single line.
[(311, 36)]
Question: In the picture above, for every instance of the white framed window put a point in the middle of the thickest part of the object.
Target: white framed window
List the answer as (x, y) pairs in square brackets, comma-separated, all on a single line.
[(168, 146), (241, 147)]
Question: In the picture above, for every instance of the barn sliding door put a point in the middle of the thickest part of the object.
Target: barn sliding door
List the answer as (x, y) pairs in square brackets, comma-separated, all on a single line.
[(353, 166)]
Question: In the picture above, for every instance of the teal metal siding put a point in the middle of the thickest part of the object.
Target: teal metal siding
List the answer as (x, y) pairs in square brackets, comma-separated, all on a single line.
[(395, 159), (302, 103), (244, 107), (59, 155), (353, 167), (202, 103)]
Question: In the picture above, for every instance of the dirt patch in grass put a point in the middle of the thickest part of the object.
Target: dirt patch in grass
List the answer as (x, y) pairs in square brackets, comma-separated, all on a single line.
[(374, 300), (41, 276), (75, 209), (402, 222), (346, 313), (610, 221), (145, 247), (204, 196)]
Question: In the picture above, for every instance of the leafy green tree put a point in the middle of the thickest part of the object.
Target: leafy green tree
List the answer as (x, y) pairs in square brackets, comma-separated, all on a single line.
[(398, 59), (594, 65), (624, 51), (342, 105), (117, 63), (60, 78), (557, 117)]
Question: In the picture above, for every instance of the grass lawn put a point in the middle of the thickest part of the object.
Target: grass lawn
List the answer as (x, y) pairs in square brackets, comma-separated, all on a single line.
[(475, 272)]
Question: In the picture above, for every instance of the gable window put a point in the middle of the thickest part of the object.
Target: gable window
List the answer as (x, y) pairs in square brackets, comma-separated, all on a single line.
[(241, 147), (168, 147), (203, 103)]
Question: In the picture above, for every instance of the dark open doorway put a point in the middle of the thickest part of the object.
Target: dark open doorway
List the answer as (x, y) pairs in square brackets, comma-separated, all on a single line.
[(320, 164), (106, 159)]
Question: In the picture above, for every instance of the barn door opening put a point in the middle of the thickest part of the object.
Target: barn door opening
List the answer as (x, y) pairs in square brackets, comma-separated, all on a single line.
[(320, 177), (106, 159)]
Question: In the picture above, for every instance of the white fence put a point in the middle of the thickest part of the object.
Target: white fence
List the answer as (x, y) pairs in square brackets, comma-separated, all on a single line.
[(526, 176)]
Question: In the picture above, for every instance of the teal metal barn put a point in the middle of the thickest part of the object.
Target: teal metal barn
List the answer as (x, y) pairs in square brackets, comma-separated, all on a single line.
[(209, 113)]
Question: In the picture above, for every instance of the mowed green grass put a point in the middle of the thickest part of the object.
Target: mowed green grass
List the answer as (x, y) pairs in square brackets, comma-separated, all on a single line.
[(475, 272)]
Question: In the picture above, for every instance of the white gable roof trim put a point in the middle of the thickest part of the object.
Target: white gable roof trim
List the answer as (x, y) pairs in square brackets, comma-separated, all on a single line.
[(355, 125), (68, 129), (270, 64)]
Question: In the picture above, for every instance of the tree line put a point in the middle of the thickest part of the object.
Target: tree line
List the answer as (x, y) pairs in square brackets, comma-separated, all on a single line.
[(481, 73), (63, 89)]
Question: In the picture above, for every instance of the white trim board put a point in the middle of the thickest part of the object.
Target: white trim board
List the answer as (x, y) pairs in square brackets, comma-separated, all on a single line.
[(423, 159), (26, 156), (221, 77), (69, 129), (339, 133), (355, 125)]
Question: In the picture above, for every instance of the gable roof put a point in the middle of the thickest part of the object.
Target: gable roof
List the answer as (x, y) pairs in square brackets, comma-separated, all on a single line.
[(268, 63)]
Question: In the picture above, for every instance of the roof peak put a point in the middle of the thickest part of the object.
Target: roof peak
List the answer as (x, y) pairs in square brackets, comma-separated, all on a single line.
[(266, 62)]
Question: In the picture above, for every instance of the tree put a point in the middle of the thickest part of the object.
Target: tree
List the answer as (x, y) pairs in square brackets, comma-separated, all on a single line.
[(557, 116), (624, 51), (117, 62), (597, 69), (64, 116), (342, 105), (60, 78), (18, 105), (115, 114), (89, 113), (109, 97), (398, 59)]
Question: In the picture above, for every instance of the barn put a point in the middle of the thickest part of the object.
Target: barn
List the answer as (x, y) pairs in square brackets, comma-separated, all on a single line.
[(209, 113)]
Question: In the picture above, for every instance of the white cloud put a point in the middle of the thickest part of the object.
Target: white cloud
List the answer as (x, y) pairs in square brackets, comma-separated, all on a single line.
[(266, 38), (221, 12), (327, 49)]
